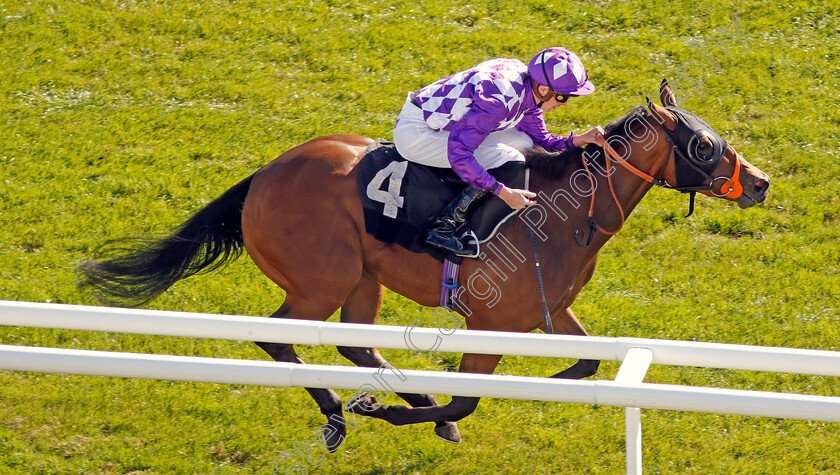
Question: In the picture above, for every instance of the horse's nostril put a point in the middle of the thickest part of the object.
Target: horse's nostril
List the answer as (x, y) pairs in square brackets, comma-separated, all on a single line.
[(761, 186)]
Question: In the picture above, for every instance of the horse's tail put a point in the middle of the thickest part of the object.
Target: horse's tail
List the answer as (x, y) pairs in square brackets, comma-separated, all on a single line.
[(134, 271)]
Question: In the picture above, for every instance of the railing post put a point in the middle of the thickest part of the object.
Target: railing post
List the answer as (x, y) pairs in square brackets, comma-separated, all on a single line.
[(633, 435), (632, 371)]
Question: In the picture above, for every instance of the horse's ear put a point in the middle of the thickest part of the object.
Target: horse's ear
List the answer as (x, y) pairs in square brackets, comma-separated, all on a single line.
[(666, 94), (662, 115)]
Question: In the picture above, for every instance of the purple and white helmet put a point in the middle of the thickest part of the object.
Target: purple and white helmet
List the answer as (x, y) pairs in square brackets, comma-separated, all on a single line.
[(562, 71)]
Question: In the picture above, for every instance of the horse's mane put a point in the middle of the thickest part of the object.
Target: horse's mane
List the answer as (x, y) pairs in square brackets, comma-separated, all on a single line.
[(556, 164)]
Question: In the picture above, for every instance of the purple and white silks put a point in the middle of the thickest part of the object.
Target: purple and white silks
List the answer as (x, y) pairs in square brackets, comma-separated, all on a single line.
[(468, 106)]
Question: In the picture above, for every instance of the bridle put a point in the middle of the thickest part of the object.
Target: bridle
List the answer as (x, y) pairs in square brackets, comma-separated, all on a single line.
[(689, 135)]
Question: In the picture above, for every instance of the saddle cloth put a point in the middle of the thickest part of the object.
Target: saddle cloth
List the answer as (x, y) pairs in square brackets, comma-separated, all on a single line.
[(401, 199)]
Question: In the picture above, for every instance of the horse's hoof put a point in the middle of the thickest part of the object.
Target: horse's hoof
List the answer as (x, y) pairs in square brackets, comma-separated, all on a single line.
[(332, 434), (448, 431)]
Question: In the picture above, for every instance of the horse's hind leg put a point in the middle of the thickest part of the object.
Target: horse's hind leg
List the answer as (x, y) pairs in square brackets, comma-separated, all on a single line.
[(362, 306), (567, 323), (328, 401)]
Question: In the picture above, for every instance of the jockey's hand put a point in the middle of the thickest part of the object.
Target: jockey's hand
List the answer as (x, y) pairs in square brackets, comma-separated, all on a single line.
[(517, 199), (594, 136)]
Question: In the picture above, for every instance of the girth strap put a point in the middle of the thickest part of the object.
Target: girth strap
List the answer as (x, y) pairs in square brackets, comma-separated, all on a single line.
[(449, 284), (549, 328)]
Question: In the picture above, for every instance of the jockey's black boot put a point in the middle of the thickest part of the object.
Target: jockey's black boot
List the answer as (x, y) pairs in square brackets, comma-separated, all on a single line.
[(441, 234)]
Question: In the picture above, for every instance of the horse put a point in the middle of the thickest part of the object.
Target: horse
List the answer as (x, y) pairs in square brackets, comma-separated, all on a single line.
[(300, 220)]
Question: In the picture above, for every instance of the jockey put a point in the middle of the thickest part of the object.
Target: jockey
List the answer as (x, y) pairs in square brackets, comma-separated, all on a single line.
[(484, 117)]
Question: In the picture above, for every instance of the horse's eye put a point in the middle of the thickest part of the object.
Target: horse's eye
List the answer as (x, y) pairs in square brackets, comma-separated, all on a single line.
[(705, 149)]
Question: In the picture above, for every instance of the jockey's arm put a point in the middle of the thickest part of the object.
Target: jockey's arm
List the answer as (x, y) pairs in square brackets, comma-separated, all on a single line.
[(466, 135)]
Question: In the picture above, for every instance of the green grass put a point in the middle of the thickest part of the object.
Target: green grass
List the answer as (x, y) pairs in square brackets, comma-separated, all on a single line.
[(124, 118)]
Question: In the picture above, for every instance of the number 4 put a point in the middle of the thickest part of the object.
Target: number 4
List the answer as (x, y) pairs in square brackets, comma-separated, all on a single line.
[(394, 172)]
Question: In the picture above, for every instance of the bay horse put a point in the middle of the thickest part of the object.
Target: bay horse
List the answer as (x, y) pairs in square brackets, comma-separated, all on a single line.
[(300, 219)]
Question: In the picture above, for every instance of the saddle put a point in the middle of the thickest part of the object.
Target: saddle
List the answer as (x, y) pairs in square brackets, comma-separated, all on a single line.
[(401, 199)]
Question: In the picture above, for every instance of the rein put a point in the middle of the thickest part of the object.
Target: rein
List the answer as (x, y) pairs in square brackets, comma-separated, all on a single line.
[(730, 186)]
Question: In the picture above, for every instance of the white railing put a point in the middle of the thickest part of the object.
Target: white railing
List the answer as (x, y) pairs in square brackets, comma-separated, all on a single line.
[(626, 390)]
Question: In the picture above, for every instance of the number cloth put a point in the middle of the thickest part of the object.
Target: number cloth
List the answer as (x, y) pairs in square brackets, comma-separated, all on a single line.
[(400, 198)]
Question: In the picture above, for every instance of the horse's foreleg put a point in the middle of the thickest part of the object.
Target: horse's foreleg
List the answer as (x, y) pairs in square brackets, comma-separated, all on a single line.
[(459, 408), (567, 323), (370, 357), (579, 370)]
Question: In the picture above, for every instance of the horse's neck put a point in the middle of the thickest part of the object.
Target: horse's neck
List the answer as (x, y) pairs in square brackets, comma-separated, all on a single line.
[(570, 197)]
